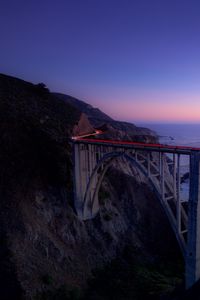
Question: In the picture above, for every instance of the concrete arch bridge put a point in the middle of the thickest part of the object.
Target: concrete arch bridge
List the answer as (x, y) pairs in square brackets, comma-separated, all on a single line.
[(161, 165)]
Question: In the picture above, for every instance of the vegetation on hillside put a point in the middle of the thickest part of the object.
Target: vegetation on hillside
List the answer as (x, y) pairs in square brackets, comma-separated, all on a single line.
[(46, 251)]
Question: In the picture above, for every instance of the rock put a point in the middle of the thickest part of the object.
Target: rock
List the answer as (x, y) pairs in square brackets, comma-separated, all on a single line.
[(185, 177)]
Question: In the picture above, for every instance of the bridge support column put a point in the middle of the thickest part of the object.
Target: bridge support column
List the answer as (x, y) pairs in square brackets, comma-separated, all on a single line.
[(84, 164), (193, 245), (82, 173), (89, 191), (80, 176)]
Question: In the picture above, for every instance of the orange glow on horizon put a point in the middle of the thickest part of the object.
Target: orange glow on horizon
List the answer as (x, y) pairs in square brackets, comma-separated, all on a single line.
[(175, 107)]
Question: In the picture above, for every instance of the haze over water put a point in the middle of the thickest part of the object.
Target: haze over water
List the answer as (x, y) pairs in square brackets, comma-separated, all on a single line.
[(177, 134)]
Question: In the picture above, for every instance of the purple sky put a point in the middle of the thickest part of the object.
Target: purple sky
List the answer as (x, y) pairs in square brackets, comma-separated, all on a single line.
[(136, 60)]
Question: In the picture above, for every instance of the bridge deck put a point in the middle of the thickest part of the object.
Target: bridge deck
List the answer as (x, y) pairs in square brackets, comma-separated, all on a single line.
[(142, 146)]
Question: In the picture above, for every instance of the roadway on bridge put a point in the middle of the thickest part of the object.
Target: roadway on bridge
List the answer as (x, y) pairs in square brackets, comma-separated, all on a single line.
[(148, 146)]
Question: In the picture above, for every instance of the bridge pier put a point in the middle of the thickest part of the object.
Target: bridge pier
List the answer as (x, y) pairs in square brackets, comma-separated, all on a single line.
[(84, 164), (192, 260), (78, 180)]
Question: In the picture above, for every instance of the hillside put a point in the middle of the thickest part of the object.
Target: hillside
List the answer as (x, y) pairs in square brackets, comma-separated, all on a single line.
[(46, 252), (95, 115), (114, 129)]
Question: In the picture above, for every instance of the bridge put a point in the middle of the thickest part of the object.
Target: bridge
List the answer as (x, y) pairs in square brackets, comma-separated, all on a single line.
[(160, 165)]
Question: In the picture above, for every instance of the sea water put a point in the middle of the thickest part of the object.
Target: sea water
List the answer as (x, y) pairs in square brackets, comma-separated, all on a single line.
[(177, 134), (181, 135)]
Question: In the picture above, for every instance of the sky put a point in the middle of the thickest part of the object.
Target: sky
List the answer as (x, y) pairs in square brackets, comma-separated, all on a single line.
[(137, 60)]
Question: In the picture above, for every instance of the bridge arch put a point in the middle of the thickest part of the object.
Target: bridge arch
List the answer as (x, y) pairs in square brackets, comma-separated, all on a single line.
[(91, 200), (91, 204)]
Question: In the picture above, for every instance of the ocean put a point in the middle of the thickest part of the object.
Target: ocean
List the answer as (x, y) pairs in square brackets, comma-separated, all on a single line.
[(177, 134)]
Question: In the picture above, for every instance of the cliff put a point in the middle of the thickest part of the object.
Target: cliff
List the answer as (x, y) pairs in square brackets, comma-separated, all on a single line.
[(46, 252)]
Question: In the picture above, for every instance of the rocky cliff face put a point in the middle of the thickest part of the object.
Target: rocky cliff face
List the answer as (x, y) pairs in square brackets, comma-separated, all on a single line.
[(46, 251), (83, 126)]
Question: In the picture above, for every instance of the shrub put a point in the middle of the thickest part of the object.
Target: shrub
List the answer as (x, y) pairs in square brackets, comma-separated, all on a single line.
[(107, 217), (47, 279), (103, 195)]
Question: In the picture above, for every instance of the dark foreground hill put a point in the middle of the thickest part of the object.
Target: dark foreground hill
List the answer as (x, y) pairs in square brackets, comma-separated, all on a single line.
[(127, 252)]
